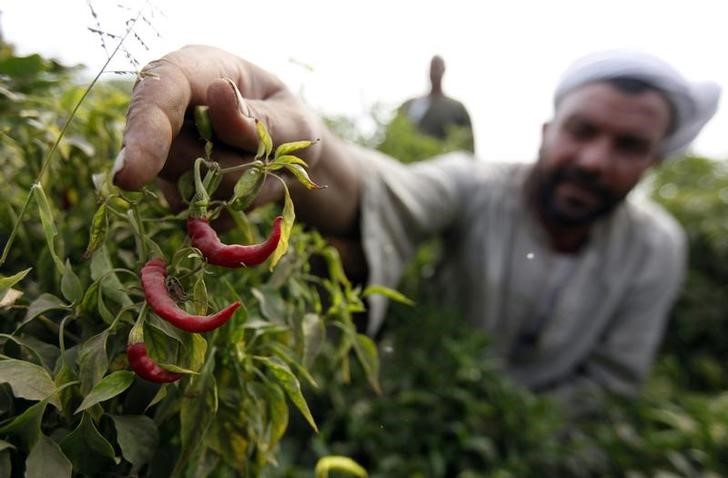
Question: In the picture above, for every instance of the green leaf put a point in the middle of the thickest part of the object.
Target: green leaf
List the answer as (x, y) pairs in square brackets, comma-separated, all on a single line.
[(176, 368), (8, 297), (46, 218), (160, 348), (90, 298), (287, 159), (88, 450), (231, 443), (97, 233), (366, 352), (292, 147), (93, 361), (111, 286), (272, 304), (387, 292), (167, 329), (6, 466), (199, 297), (314, 335), (6, 445), (344, 464), (242, 224), (335, 266), (46, 353), (289, 216), (138, 437), (160, 395), (64, 378), (291, 385), (186, 185), (203, 123), (195, 350), (103, 184), (27, 425), (302, 176), (277, 413), (247, 187), (101, 307), (7, 282), (42, 304), (28, 381), (46, 459), (265, 143), (109, 387), (70, 284), (286, 355), (197, 411), (23, 66)]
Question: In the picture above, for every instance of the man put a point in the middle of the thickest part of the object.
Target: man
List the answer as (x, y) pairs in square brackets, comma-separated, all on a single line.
[(572, 279), (435, 114)]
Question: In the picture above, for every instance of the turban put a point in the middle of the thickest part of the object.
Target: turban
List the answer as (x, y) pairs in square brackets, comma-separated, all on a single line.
[(693, 103)]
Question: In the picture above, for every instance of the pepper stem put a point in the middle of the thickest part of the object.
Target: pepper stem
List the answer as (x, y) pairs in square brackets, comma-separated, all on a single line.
[(136, 334)]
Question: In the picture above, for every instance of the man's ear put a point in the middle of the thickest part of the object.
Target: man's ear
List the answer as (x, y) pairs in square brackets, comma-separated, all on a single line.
[(544, 129)]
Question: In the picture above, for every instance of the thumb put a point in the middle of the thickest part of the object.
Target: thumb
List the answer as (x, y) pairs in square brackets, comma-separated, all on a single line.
[(231, 115)]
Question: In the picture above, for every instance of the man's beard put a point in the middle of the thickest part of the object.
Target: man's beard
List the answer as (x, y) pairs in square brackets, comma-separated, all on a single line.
[(546, 182)]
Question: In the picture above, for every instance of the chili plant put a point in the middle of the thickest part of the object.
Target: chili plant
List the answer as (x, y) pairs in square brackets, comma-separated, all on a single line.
[(94, 377)]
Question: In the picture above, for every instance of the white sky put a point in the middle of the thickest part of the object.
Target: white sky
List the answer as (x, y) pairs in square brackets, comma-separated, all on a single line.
[(503, 57)]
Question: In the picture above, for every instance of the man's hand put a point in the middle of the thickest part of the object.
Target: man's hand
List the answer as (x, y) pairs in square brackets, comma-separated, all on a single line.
[(162, 142), (160, 137)]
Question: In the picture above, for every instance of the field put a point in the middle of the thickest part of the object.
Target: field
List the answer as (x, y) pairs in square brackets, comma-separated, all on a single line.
[(289, 383)]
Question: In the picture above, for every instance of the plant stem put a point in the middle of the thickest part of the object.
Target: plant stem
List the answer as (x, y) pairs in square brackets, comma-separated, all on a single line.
[(16, 226), (140, 228), (239, 167)]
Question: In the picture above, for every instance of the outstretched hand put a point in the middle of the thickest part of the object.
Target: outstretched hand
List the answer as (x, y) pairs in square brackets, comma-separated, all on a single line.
[(160, 139)]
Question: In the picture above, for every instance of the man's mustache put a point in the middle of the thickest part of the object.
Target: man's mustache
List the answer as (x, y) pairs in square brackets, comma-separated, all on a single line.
[(582, 179)]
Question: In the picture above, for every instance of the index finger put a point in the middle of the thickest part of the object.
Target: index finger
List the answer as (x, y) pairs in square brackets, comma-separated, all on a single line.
[(155, 116)]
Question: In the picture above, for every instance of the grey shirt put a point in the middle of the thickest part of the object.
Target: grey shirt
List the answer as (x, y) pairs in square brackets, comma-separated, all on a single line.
[(566, 324)]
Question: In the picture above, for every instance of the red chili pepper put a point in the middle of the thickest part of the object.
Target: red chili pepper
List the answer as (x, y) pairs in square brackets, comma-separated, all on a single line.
[(146, 367), (206, 240), (154, 274)]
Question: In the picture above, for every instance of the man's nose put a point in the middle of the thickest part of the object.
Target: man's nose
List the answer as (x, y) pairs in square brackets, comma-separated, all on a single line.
[(596, 157)]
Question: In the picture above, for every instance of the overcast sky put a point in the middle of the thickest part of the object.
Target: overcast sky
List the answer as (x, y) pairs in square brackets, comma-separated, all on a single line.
[(503, 58)]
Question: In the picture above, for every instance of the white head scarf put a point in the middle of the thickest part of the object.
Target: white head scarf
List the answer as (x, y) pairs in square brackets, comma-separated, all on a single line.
[(694, 103)]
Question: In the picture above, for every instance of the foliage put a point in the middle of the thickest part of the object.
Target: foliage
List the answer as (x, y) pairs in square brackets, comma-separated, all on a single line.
[(445, 408), (395, 135), (401, 140), (695, 191), (70, 297)]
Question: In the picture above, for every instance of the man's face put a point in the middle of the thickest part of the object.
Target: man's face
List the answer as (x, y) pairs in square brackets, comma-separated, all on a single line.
[(437, 69), (595, 150)]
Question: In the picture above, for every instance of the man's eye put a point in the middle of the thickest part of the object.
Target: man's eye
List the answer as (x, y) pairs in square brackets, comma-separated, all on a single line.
[(633, 145), (581, 131)]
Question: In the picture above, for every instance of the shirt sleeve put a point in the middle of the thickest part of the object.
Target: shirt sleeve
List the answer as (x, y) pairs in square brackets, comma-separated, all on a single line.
[(622, 360), (401, 206)]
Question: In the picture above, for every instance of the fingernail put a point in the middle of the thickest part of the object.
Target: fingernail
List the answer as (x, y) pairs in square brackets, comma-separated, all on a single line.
[(239, 100), (118, 162)]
